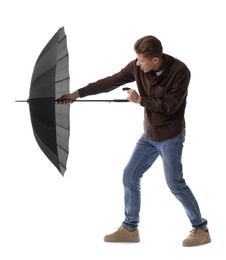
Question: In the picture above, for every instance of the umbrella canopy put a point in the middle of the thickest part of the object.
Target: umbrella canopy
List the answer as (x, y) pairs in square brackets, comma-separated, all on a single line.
[(50, 120)]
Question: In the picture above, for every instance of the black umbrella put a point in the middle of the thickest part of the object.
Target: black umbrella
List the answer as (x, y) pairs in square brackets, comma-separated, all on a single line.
[(50, 121)]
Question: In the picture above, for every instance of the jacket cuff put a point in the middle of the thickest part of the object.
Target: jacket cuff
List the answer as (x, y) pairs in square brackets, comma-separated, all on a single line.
[(144, 102)]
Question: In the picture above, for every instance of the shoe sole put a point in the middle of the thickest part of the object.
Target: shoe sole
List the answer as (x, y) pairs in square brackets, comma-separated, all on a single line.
[(200, 244)]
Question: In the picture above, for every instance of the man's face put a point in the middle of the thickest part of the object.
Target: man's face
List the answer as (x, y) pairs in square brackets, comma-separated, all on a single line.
[(146, 63)]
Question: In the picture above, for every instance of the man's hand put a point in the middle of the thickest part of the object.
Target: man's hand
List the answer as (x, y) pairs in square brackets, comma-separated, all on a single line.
[(68, 98), (133, 96)]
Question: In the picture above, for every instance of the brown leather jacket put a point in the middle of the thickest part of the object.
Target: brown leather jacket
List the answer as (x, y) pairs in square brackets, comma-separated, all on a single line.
[(163, 97)]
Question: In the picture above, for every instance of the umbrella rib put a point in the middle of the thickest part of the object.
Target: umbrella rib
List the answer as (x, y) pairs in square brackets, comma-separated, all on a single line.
[(62, 127), (62, 39), (62, 80), (62, 148), (62, 57), (62, 166)]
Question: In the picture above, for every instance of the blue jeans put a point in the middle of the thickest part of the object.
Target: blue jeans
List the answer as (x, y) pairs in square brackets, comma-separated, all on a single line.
[(145, 153)]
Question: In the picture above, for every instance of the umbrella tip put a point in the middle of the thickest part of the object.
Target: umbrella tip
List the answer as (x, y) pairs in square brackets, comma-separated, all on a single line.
[(21, 100)]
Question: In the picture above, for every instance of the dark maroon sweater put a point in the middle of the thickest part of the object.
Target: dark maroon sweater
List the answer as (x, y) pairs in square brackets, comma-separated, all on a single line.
[(163, 97)]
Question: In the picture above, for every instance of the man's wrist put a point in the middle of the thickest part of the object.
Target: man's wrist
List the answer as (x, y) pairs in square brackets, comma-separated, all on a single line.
[(139, 100), (75, 95)]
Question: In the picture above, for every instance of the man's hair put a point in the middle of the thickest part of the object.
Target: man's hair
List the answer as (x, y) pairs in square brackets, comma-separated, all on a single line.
[(149, 46)]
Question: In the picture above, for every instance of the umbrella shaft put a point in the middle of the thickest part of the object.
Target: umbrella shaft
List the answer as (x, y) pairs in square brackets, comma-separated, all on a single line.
[(101, 100), (89, 100)]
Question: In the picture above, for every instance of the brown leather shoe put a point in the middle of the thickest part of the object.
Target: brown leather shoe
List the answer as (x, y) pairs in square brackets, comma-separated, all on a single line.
[(123, 235), (197, 237)]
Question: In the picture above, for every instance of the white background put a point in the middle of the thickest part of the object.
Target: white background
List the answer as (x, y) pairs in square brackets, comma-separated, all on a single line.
[(46, 216)]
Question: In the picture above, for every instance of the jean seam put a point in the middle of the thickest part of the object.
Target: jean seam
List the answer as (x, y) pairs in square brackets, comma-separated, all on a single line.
[(184, 191), (132, 178)]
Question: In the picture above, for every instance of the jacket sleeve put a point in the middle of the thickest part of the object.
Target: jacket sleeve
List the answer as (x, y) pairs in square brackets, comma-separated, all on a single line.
[(109, 83)]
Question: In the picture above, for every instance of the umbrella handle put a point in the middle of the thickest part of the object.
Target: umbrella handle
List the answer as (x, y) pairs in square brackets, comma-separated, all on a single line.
[(125, 89)]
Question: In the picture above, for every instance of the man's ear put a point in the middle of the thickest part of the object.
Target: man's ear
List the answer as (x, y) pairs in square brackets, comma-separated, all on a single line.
[(155, 59)]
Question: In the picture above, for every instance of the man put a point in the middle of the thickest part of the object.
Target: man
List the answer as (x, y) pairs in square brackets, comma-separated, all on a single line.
[(162, 83)]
